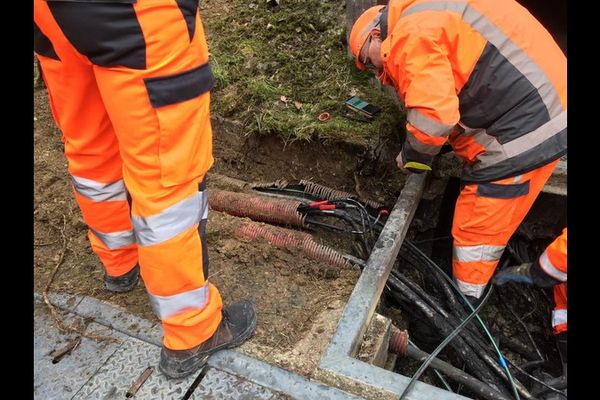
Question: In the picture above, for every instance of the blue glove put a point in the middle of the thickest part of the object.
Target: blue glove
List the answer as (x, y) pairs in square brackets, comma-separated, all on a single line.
[(518, 273)]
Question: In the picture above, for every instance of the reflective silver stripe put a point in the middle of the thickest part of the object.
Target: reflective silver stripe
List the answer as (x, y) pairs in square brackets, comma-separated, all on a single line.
[(517, 57), (483, 252), (559, 317), (471, 289), (493, 154), (550, 269), (536, 137), (416, 145), (436, 6), (97, 191), (518, 179), (115, 240), (171, 222), (496, 152), (167, 306), (372, 25), (427, 125)]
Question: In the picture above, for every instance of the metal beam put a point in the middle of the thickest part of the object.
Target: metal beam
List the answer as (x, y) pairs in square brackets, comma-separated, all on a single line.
[(368, 289), (338, 365), (275, 378)]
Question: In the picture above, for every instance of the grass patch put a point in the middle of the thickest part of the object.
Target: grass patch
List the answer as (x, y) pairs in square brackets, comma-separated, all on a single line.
[(277, 69)]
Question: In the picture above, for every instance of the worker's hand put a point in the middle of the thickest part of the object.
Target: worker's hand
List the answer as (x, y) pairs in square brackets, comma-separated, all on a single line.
[(518, 273), (400, 164)]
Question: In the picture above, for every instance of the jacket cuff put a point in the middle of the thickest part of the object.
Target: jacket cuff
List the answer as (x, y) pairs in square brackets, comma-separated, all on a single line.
[(540, 278), (409, 154)]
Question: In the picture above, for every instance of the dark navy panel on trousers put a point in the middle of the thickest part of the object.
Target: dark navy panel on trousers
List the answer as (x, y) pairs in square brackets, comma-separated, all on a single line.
[(189, 9), (498, 191), (106, 32), (202, 185), (42, 45), (173, 89), (500, 99), (202, 232)]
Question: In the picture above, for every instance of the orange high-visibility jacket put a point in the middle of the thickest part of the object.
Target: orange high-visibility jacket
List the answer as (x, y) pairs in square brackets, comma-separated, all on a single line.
[(553, 261), (483, 74)]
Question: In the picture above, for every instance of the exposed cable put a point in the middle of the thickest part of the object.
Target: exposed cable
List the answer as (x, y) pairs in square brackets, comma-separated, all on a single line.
[(478, 387), (437, 373), (404, 294), (520, 321), (332, 194), (441, 346), (533, 378), (501, 358)]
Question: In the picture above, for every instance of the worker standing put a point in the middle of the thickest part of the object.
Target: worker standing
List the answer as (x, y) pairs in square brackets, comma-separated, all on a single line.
[(129, 87), (549, 270), (485, 76)]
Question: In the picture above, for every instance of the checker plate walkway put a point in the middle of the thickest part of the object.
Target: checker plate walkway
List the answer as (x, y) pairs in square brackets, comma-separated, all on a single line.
[(108, 369)]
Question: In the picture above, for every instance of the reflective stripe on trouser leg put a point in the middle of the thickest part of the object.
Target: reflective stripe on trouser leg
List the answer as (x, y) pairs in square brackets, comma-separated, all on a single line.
[(480, 262), (106, 211), (91, 149), (559, 314), (483, 225), (173, 238)]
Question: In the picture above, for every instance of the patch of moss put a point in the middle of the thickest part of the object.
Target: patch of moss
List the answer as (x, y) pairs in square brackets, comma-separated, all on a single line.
[(278, 69)]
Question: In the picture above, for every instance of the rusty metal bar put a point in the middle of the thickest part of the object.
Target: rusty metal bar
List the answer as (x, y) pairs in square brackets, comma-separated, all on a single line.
[(137, 384)]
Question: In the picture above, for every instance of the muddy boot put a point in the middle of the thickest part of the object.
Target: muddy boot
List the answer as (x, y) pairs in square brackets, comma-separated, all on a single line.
[(122, 283), (237, 325)]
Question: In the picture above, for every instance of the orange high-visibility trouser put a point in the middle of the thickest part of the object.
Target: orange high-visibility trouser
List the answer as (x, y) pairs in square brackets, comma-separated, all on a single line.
[(128, 84), (559, 315), (553, 261), (486, 216)]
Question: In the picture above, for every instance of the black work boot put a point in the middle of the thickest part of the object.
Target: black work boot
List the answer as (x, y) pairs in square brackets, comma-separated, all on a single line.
[(237, 325), (123, 283)]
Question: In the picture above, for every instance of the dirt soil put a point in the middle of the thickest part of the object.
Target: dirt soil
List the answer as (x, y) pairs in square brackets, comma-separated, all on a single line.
[(288, 288)]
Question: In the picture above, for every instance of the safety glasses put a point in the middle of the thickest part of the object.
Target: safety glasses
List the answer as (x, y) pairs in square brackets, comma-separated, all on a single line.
[(367, 61)]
